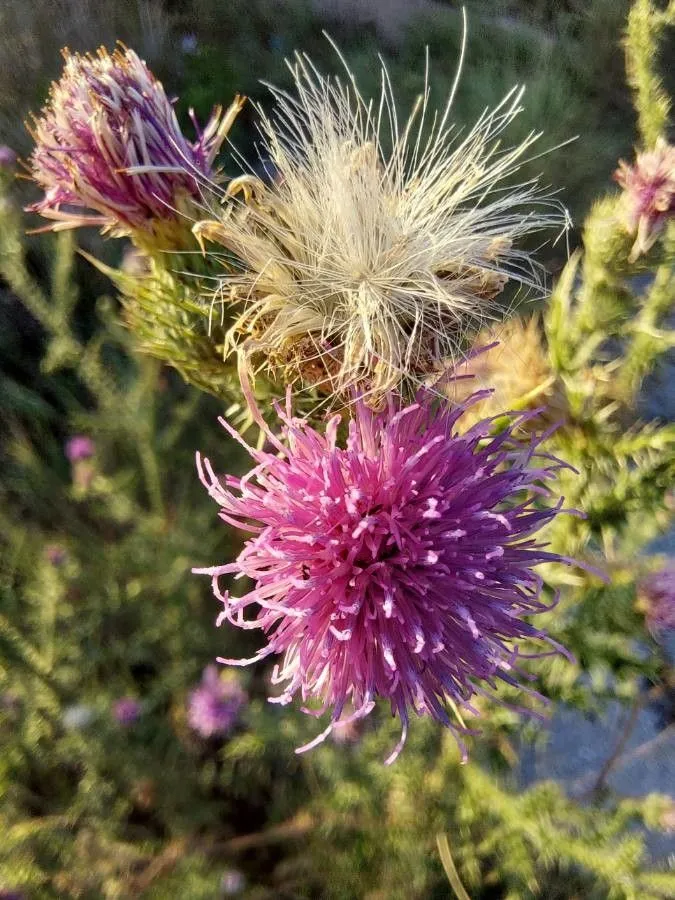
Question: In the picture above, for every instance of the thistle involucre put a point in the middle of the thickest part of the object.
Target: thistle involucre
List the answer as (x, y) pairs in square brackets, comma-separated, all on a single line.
[(109, 150), (512, 360), (379, 244), (397, 566)]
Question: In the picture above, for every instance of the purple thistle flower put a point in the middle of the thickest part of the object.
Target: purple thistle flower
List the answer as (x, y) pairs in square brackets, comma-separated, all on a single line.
[(214, 705), (109, 150), (398, 566), (657, 592), (79, 447), (126, 711), (649, 194)]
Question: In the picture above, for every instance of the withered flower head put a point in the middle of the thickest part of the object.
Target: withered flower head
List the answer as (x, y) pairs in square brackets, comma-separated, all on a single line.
[(379, 244)]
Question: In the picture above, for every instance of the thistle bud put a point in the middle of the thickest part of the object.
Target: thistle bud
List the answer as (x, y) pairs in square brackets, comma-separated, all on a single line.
[(109, 151)]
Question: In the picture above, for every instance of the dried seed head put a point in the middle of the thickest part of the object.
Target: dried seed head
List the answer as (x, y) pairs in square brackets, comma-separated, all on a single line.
[(379, 245)]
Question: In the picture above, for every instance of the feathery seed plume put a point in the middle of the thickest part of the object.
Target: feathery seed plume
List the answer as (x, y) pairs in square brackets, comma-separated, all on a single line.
[(379, 244), (515, 365)]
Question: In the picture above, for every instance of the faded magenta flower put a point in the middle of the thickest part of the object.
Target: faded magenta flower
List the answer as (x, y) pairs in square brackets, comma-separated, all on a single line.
[(109, 150), (79, 447), (56, 555), (126, 711), (657, 597), (649, 195), (398, 566), (214, 706)]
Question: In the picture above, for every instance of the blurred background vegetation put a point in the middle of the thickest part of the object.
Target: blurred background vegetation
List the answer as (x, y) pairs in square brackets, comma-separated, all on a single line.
[(90, 808)]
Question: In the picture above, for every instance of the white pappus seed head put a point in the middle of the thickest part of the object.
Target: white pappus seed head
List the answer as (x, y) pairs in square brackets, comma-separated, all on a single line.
[(379, 245)]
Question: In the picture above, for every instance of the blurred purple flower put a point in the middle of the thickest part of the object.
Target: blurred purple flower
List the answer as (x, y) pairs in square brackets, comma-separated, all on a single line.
[(79, 447), (649, 194), (189, 43), (399, 566), (9, 701), (213, 707), (56, 555), (126, 711), (11, 895), (232, 883), (657, 593), (109, 150), (7, 157)]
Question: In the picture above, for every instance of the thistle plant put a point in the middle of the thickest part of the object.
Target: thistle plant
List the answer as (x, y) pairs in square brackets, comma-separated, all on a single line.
[(412, 556), (109, 152), (649, 195)]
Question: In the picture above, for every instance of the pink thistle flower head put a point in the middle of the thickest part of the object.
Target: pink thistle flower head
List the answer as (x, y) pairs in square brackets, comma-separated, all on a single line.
[(126, 711), (657, 595), (79, 447), (213, 707), (109, 150), (649, 195), (398, 565)]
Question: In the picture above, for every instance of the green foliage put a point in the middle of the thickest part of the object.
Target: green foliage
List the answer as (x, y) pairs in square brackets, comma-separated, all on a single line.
[(646, 26)]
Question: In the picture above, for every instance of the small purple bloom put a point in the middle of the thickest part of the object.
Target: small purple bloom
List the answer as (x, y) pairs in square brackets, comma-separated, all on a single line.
[(56, 555), (400, 565), (232, 883), (213, 707), (7, 157), (126, 711), (109, 150), (79, 447), (649, 194), (657, 592), (189, 43), (11, 895)]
